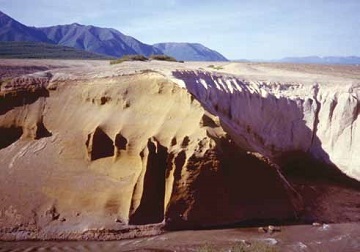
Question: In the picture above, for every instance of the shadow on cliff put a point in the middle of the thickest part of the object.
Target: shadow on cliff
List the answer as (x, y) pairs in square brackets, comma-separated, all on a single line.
[(23, 90), (300, 167), (293, 163), (11, 100), (20, 92), (151, 208), (228, 186)]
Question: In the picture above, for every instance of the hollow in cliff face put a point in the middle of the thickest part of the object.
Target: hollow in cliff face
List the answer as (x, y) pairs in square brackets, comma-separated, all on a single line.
[(228, 186), (9, 136), (99, 145), (151, 208)]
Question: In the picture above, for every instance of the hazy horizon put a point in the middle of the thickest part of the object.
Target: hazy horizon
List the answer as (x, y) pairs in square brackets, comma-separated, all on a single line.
[(257, 29)]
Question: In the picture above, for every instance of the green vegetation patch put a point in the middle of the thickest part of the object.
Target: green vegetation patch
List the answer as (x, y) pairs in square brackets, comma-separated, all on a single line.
[(143, 58), (163, 58), (129, 58), (215, 67), (35, 50)]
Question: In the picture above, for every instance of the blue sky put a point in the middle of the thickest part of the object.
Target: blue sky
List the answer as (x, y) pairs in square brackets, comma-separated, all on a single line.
[(239, 29)]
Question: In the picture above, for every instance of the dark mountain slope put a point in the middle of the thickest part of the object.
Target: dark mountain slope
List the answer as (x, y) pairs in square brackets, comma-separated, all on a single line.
[(190, 52), (12, 30), (99, 40), (39, 50)]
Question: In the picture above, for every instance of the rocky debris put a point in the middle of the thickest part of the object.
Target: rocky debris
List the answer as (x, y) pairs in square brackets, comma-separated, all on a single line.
[(272, 229), (269, 229), (23, 90), (31, 83), (52, 213), (325, 227), (10, 72), (262, 230)]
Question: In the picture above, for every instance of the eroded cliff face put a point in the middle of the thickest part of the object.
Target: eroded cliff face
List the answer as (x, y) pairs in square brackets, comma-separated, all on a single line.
[(83, 156), (109, 152), (285, 120)]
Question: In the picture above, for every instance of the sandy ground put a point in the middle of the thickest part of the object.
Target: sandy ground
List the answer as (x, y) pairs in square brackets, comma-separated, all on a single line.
[(326, 237), (255, 71)]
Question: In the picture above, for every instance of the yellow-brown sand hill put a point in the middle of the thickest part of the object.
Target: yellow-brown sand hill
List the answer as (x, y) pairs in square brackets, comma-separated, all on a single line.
[(92, 151)]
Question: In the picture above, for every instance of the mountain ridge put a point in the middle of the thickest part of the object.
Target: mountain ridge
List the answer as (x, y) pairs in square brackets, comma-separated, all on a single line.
[(106, 41), (189, 51), (12, 30), (347, 60)]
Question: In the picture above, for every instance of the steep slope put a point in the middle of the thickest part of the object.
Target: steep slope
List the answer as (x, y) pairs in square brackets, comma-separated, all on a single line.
[(12, 30), (190, 52), (106, 41), (100, 154), (286, 122), (99, 40)]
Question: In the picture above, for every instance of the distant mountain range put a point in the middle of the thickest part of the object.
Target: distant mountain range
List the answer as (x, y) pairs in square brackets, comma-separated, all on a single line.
[(350, 60), (12, 30), (194, 51), (106, 41), (110, 42), (99, 40)]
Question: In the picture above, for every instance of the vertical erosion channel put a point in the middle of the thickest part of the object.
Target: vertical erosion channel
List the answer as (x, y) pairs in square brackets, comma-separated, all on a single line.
[(151, 208)]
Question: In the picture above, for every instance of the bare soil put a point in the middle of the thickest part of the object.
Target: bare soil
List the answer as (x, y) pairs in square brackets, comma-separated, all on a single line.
[(325, 237)]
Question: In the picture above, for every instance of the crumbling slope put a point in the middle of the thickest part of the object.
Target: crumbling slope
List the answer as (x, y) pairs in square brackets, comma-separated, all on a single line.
[(82, 156), (285, 121)]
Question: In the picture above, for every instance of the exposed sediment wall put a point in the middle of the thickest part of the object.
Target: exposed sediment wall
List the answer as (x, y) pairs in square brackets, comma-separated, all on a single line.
[(131, 150), (277, 119), (85, 156)]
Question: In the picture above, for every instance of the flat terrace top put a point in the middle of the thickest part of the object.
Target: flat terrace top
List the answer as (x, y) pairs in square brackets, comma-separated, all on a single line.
[(269, 72)]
